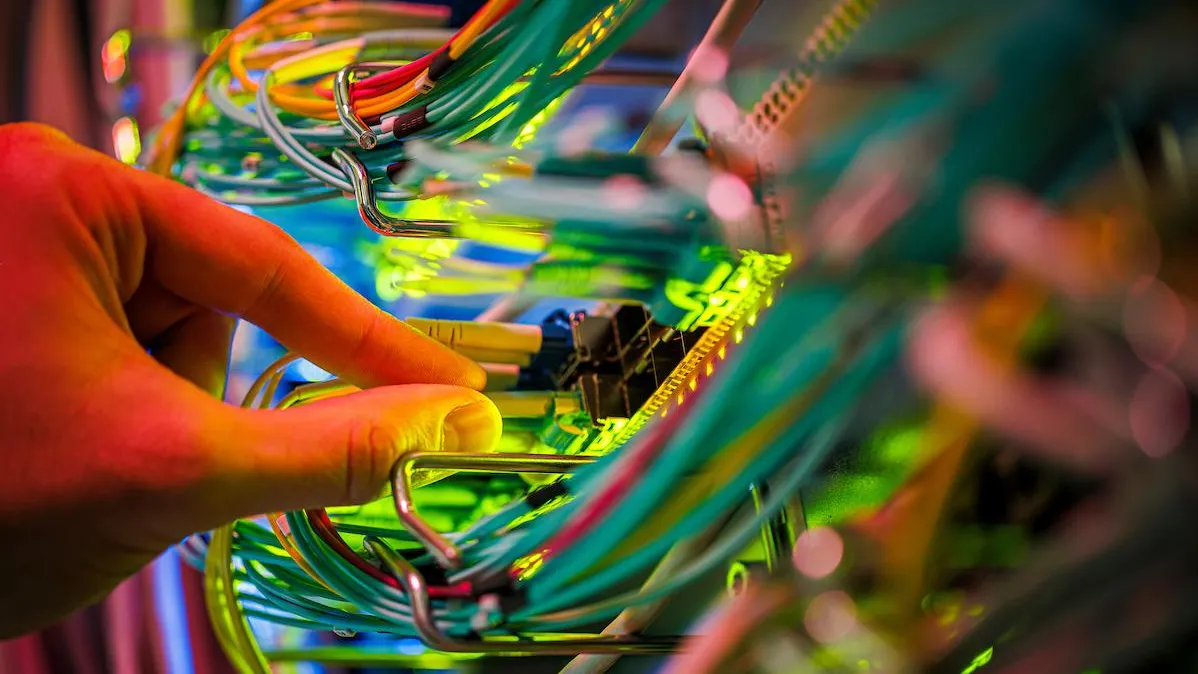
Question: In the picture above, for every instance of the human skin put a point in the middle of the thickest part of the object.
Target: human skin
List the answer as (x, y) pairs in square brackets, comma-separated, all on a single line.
[(119, 291)]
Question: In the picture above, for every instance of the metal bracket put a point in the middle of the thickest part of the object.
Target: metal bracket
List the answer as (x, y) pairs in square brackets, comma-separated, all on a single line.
[(442, 549), (376, 219), (361, 132), (541, 644), (450, 556)]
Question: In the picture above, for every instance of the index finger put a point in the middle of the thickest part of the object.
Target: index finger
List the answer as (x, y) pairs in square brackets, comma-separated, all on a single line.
[(218, 257)]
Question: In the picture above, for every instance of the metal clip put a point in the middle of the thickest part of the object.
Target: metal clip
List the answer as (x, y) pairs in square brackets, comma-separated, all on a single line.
[(450, 556), (366, 137), (376, 219), (540, 644), (442, 549)]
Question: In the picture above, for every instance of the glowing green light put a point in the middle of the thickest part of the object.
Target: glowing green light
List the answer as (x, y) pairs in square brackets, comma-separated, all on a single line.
[(980, 661), (899, 445), (211, 42)]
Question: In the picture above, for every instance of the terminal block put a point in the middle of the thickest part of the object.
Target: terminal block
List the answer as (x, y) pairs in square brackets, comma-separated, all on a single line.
[(621, 359)]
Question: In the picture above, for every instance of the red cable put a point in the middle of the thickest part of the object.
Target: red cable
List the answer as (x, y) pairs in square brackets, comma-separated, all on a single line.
[(393, 79), (368, 87), (386, 82)]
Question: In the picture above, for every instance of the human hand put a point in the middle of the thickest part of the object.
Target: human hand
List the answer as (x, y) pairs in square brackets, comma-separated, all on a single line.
[(120, 291)]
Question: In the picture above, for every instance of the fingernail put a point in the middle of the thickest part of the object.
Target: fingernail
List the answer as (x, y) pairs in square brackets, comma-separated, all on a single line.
[(474, 427)]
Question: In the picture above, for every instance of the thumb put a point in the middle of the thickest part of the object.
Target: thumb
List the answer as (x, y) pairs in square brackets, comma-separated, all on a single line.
[(340, 451)]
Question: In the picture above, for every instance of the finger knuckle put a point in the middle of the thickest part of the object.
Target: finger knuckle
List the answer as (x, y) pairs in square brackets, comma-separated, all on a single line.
[(24, 145), (18, 135)]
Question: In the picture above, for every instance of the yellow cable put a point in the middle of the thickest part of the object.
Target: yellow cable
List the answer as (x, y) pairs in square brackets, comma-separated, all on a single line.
[(266, 55), (236, 62), (317, 63), (322, 25), (293, 552), (166, 145)]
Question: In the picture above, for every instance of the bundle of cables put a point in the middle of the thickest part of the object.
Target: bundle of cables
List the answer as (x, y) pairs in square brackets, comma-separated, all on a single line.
[(267, 110), (877, 196), (513, 573)]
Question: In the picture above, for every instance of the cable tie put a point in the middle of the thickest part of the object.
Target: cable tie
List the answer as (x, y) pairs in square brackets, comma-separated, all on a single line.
[(440, 65), (407, 123)]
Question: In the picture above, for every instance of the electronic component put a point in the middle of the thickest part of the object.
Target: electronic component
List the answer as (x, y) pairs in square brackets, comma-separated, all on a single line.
[(698, 353)]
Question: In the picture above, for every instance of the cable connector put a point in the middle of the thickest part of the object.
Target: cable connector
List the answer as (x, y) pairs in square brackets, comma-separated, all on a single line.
[(410, 122), (500, 586), (424, 83), (557, 342), (440, 65), (546, 493)]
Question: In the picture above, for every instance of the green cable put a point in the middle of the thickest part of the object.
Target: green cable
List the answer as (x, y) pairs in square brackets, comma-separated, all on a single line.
[(703, 422), (546, 65), (302, 607), (847, 389), (453, 111)]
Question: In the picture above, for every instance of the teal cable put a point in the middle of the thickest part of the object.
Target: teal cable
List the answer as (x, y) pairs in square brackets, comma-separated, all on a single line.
[(848, 389), (559, 18), (452, 111), (703, 425)]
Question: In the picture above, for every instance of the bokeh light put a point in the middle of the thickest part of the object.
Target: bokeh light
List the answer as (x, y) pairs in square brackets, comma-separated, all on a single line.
[(1159, 413), (716, 110), (1154, 321), (624, 192), (818, 552), (831, 616), (113, 56), (709, 65), (729, 197), (126, 139)]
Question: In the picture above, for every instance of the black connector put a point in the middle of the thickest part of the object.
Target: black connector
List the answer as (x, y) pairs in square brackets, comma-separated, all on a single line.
[(440, 65), (511, 598), (621, 360), (394, 169), (557, 347), (594, 165), (545, 493)]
